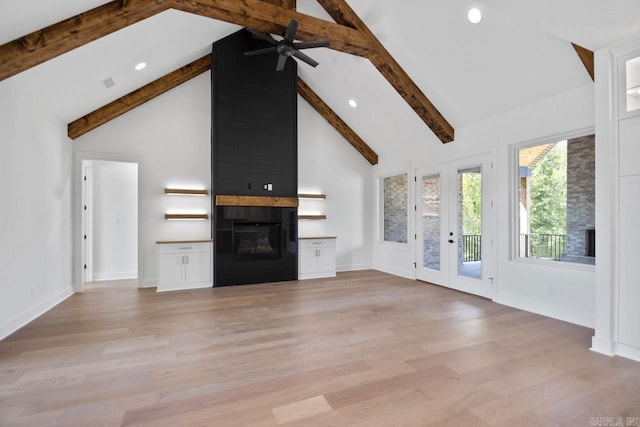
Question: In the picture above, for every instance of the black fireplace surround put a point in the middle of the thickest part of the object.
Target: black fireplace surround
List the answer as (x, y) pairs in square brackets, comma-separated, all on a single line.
[(254, 155), (255, 245)]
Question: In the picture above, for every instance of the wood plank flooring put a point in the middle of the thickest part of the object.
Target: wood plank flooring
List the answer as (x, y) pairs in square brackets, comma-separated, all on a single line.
[(363, 349)]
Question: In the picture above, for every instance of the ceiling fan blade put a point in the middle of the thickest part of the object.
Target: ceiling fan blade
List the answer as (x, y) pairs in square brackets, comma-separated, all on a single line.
[(305, 58), (263, 36), (307, 45), (282, 60), (290, 33), (261, 51)]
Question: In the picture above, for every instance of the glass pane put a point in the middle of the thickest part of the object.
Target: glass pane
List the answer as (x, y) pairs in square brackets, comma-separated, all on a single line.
[(395, 208), (556, 188), (470, 222), (633, 84), (431, 221)]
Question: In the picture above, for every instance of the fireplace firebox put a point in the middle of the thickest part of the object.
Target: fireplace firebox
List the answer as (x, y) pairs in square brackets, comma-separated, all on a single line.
[(255, 245), (256, 241)]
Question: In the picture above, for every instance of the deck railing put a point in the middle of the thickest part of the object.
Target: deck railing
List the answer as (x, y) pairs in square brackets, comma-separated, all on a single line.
[(471, 247), (550, 246)]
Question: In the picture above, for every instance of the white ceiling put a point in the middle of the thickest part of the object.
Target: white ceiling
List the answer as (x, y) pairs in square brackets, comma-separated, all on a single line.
[(517, 55)]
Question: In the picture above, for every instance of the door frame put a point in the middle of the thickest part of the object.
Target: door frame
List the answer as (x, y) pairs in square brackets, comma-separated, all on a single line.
[(79, 157), (449, 276)]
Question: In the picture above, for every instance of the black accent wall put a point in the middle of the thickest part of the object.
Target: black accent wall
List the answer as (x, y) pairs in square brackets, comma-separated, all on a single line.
[(254, 153), (255, 122)]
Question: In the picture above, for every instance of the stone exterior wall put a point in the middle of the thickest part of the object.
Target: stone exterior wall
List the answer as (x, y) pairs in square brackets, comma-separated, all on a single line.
[(431, 222), (395, 208), (580, 193)]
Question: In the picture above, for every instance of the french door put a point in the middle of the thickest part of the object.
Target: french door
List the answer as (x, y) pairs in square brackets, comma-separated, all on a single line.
[(453, 233)]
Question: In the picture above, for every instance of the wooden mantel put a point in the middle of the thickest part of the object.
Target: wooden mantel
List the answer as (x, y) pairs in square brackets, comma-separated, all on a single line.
[(281, 202)]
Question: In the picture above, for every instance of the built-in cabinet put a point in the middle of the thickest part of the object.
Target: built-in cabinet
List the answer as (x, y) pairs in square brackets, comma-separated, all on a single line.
[(317, 257), (186, 264), (629, 202)]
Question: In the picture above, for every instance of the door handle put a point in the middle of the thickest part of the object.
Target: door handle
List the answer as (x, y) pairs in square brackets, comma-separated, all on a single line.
[(450, 240)]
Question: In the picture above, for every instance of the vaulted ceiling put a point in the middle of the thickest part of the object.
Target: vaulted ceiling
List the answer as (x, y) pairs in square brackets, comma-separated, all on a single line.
[(518, 54)]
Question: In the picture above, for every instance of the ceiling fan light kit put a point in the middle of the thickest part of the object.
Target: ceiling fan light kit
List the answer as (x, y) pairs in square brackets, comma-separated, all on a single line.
[(286, 47)]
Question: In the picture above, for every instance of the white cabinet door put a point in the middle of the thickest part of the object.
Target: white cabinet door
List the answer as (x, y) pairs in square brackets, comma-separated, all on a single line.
[(629, 147), (170, 269), (307, 262), (629, 315), (326, 261), (198, 268)]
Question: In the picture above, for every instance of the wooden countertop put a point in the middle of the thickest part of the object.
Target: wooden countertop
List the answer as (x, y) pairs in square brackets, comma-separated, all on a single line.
[(162, 242), (316, 237)]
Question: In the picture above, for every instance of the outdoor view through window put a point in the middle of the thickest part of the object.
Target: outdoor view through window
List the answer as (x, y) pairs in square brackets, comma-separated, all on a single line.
[(556, 200)]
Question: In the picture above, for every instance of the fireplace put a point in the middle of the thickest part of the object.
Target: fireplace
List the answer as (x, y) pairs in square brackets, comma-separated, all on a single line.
[(255, 244), (253, 241), (254, 164)]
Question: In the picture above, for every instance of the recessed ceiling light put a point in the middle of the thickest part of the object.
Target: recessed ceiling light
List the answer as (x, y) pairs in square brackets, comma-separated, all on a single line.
[(353, 103), (474, 15), (140, 66)]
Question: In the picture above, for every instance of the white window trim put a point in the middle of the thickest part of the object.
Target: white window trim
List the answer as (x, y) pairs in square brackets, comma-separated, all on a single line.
[(514, 211), (380, 196), (622, 86)]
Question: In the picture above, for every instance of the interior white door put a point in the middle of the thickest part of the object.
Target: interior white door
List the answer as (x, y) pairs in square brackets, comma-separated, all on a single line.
[(453, 218)]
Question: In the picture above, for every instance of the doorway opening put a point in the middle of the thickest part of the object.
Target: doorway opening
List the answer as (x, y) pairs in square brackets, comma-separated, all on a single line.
[(109, 223)]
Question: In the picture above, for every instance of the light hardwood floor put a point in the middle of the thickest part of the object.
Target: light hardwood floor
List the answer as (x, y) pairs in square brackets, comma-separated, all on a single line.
[(364, 349)]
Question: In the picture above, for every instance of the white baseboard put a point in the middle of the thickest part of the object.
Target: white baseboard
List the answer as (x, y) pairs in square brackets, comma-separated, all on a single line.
[(12, 325), (571, 316), (395, 271), (603, 346), (147, 283), (98, 277), (354, 267), (628, 351)]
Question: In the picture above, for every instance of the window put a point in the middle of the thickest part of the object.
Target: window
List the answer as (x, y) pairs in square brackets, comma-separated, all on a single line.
[(395, 191), (632, 84), (556, 200)]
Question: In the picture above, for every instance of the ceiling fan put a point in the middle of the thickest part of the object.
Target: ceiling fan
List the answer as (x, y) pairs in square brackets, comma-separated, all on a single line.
[(287, 47)]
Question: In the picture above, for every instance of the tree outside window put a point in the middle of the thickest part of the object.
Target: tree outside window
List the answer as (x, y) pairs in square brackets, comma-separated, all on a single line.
[(556, 203)]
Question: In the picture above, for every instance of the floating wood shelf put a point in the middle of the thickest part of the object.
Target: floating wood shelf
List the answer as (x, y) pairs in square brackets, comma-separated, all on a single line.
[(312, 217), (185, 191), (312, 196), (186, 216)]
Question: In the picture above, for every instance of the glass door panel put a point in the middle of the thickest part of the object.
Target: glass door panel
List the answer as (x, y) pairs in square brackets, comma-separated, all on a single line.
[(469, 222), (431, 223)]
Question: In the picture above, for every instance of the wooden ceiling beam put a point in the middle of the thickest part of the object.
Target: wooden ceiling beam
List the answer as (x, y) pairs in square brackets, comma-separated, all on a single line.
[(287, 4), (138, 97), (586, 56), (338, 124), (49, 42), (146, 93), (342, 13), (268, 18)]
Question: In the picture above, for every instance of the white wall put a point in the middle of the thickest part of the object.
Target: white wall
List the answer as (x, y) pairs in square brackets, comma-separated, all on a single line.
[(327, 164), (114, 210), (170, 139), (563, 292), (35, 211)]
